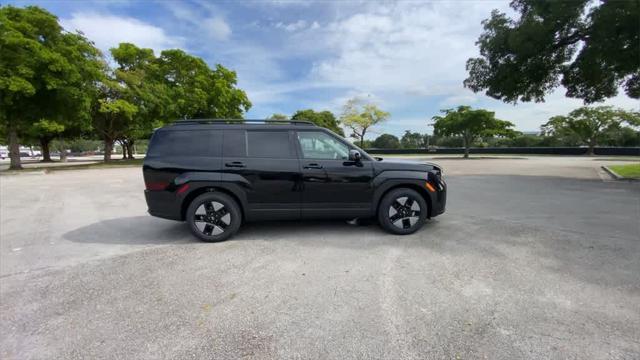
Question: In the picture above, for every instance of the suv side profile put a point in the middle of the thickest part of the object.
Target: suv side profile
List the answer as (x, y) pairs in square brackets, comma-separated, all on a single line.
[(217, 174)]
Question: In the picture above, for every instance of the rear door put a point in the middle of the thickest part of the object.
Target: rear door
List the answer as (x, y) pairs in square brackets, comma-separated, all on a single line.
[(333, 186), (264, 164)]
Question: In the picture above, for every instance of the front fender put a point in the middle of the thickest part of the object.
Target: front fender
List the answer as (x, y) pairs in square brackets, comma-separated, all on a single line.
[(391, 179)]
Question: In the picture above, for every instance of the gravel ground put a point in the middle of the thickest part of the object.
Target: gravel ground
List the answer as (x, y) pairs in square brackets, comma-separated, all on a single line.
[(541, 260)]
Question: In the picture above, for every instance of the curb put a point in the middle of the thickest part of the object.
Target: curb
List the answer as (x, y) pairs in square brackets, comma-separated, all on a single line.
[(615, 174)]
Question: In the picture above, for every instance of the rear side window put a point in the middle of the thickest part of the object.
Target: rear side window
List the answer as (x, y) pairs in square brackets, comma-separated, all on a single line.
[(269, 144), (186, 143), (235, 143)]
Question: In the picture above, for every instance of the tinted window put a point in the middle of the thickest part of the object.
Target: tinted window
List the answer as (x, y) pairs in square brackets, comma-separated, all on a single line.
[(319, 145), (186, 143), (269, 144), (235, 144)]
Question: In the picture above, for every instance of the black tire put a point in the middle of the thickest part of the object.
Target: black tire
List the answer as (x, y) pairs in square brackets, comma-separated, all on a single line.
[(214, 216), (402, 211)]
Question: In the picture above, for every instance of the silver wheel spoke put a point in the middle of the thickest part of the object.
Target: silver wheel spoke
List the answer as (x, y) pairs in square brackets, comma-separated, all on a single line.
[(212, 218), (201, 225), (404, 212), (217, 230), (392, 211)]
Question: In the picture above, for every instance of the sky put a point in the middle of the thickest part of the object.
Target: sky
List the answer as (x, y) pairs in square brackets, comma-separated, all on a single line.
[(408, 57)]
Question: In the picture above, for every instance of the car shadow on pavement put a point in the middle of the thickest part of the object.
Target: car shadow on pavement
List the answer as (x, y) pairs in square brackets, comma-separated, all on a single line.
[(135, 230)]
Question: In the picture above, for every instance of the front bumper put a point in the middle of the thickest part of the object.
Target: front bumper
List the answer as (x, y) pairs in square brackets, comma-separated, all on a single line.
[(439, 199)]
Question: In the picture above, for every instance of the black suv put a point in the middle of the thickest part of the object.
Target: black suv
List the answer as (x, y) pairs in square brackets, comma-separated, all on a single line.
[(215, 174)]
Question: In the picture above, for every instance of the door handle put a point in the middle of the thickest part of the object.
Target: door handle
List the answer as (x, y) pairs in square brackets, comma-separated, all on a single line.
[(235, 164), (313, 166)]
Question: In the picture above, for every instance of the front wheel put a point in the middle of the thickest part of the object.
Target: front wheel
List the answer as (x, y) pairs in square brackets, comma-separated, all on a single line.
[(214, 217), (402, 211)]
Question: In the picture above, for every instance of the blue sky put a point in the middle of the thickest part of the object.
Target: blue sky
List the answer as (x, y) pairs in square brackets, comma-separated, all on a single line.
[(407, 56)]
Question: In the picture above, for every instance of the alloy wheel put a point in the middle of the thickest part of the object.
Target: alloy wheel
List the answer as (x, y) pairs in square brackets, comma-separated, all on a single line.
[(404, 212), (212, 218)]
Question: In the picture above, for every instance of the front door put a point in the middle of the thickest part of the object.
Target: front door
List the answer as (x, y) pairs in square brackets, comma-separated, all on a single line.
[(333, 186)]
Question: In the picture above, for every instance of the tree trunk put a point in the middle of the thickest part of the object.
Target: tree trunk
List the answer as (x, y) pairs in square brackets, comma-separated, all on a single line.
[(123, 145), (63, 151), (466, 147), (108, 147), (14, 149), (130, 149), (44, 148), (591, 150)]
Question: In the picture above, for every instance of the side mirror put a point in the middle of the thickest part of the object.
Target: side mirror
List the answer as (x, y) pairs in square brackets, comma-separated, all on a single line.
[(354, 155)]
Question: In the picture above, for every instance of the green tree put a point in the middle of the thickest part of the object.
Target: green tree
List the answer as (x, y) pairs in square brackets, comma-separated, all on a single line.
[(138, 74), (470, 124), (386, 141), (277, 117), (199, 91), (45, 131), (113, 116), (590, 48), (590, 125), (413, 140), (325, 119), (359, 117), (45, 73)]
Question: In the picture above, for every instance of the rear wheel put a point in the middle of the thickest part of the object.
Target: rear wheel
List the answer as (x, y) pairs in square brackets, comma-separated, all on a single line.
[(214, 217), (402, 211)]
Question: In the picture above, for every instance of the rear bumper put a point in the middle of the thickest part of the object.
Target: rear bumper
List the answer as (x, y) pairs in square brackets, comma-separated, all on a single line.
[(163, 204)]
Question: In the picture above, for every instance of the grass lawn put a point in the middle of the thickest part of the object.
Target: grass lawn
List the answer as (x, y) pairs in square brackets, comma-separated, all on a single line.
[(57, 166), (629, 171), (98, 165)]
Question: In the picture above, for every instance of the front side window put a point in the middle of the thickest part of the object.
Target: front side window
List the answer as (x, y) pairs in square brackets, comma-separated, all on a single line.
[(319, 145)]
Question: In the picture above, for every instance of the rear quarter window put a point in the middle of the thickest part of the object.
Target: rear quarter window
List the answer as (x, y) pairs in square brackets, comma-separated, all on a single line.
[(186, 143)]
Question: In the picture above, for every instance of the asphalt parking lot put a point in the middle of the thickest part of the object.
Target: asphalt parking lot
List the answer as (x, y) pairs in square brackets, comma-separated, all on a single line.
[(534, 258)]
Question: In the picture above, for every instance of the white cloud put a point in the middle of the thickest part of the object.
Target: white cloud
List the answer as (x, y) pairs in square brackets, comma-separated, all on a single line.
[(217, 28), (205, 20), (108, 31), (529, 116), (293, 26), (407, 48)]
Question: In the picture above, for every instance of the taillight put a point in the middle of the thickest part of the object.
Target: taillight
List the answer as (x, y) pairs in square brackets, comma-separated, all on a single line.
[(154, 186), (182, 189)]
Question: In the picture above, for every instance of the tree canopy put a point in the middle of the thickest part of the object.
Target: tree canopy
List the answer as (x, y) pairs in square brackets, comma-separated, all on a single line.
[(470, 124), (324, 119), (413, 140), (46, 74), (386, 141), (359, 117), (592, 49), (590, 125), (278, 117), (199, 91), (160, 89)]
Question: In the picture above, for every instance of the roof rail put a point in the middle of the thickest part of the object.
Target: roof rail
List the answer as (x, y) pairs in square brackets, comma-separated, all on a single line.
[(240, 121)]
